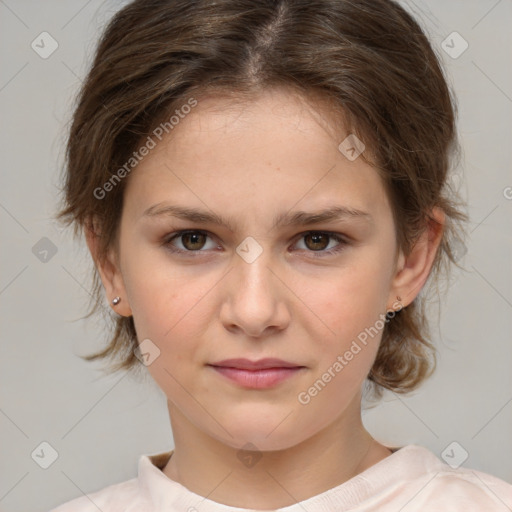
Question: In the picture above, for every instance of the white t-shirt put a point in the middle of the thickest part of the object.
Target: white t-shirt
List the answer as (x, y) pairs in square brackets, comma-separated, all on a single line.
[(412, 479)]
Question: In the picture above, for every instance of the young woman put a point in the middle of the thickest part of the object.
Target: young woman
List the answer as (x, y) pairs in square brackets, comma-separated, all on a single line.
[(263, 188)]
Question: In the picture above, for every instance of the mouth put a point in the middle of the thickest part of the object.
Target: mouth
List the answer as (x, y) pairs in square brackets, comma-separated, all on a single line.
[(262, 374)]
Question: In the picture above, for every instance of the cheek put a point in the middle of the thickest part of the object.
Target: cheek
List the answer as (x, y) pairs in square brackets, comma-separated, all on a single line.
[(168, 310), (351, 304), (352, 298), (163, 309), (163, 296)]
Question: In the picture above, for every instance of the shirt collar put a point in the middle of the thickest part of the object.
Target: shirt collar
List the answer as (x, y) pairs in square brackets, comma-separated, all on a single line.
[(380, 481)]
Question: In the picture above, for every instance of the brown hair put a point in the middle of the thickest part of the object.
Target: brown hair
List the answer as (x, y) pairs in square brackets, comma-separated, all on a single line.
[(368, 58)]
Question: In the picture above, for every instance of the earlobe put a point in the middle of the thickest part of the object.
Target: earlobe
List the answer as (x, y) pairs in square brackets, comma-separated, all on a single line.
[(110, 274), (413, 269)]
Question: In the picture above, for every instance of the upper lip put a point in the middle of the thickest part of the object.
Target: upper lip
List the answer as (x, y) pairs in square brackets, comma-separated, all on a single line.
[(247, 364)]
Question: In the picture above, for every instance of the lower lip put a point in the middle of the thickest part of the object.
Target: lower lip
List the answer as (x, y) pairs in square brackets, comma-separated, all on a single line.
[(257, 379)]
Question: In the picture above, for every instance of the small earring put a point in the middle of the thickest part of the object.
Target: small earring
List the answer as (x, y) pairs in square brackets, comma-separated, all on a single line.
[(116, 300)]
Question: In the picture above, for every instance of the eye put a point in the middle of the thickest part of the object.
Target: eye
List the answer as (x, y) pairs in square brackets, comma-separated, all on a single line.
[(318, 241), (193, 241)]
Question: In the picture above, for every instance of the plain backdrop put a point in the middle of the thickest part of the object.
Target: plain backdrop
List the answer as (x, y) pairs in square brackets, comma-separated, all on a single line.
[(99, 426)]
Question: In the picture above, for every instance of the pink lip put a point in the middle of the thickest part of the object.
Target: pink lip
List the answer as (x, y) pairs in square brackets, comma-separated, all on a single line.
[(262, 374), (261, 364)]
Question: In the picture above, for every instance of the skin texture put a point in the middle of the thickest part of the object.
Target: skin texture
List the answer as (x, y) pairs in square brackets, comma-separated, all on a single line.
[(250, 162)]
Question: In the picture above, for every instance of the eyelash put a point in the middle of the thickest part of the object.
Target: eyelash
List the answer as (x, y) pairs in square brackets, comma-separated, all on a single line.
[(316, 254)]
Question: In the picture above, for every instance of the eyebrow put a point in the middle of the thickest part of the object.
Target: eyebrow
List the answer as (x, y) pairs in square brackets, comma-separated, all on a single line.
[(285, 219)]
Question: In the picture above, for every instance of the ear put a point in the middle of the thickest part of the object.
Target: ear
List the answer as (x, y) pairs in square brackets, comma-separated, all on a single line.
[(109, 271), (413, 270)]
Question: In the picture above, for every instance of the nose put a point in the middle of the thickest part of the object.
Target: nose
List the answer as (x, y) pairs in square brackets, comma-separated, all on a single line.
[(255, 297)]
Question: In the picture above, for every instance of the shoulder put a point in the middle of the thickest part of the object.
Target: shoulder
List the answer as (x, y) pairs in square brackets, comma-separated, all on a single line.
[(440, 486), (120, 497), (466, 490), (134, 495)]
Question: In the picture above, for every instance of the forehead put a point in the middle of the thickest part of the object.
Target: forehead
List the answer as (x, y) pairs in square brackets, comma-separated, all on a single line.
[(253, 156)]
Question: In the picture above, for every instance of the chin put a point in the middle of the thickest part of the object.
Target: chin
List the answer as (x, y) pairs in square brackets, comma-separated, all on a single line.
[(266, 432)]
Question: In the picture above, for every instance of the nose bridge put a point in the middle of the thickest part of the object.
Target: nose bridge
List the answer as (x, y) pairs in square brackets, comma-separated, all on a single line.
[(253, 298), (252, 266)]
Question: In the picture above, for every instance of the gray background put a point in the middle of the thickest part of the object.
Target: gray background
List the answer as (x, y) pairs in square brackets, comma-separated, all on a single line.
[(101, 425)]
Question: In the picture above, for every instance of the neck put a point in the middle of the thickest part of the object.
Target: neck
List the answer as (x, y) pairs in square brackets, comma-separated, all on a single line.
[(270, 479)]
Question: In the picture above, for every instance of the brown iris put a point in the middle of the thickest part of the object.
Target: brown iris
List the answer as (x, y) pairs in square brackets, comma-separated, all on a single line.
[(318, 241), (197, 240)]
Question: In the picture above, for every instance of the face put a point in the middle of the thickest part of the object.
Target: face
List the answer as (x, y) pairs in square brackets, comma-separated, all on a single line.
[(303, 292)]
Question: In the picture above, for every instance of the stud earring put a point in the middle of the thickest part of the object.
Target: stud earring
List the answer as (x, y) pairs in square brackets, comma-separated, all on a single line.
[(394, 309), (116, 300)]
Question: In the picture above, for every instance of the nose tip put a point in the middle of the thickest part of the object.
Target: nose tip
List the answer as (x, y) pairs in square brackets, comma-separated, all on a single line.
[(252, 302)]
